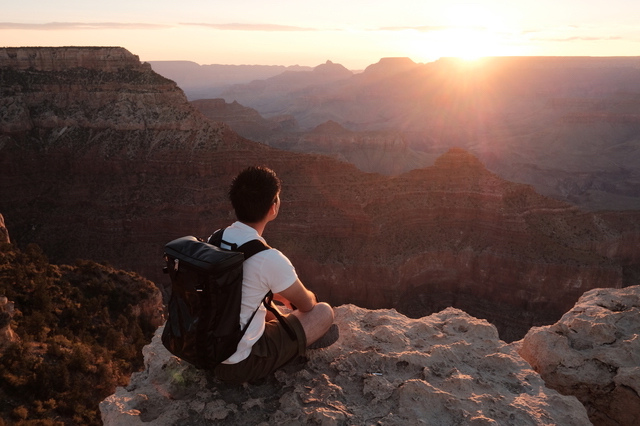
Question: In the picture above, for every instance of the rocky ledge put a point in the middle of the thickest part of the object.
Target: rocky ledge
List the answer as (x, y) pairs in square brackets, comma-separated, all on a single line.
[(106, 59), (443, 369), (593, 352)]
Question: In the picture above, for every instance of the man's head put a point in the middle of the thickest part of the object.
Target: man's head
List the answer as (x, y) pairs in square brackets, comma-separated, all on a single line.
[(253, 192)]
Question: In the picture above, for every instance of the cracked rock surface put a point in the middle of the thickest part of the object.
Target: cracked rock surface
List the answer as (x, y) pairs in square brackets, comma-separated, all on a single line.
[(448, 368), (593, 353)]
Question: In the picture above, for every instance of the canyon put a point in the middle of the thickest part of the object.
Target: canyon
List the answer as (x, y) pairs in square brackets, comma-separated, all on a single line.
[(104, 159), (376, 151), (208, 81), (569, 126)]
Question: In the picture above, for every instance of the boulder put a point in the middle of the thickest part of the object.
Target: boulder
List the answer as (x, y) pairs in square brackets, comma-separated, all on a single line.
[(447, 368), (593, 353)]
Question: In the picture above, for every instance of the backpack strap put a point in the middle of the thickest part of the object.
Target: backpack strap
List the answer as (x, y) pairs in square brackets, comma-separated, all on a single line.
[(268, 303), (252, 247), (249, 249)]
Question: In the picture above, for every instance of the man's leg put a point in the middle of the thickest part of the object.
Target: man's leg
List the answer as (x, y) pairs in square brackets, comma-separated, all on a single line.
[(316, 322)]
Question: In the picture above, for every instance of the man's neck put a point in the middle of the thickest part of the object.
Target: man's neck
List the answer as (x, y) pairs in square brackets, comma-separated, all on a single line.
[(258, 226)]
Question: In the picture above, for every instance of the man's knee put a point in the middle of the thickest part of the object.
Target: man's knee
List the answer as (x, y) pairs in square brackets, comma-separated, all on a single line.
[(317, 320), (325, 311)]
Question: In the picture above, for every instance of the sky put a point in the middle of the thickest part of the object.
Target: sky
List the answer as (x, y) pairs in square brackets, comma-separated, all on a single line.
[(354, 33)]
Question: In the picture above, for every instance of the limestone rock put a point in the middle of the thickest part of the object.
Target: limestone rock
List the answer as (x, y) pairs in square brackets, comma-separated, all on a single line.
[(7, 335), (106, 59), (447, 368), (4, 232), (593, 352)]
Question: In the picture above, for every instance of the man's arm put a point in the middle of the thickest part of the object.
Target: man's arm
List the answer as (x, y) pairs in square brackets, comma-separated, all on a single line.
[(298, 295)]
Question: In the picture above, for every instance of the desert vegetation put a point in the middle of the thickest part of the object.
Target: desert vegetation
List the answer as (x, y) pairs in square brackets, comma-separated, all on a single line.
[(80, 332)]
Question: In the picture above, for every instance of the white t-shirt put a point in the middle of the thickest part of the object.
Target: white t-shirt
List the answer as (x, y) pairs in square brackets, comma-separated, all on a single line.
[(264, 271)]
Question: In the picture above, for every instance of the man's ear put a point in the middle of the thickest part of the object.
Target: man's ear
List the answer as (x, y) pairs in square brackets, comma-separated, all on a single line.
[(273, 210)]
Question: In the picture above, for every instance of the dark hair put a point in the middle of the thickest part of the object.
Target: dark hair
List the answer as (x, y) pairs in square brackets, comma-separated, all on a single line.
[(253, 192)]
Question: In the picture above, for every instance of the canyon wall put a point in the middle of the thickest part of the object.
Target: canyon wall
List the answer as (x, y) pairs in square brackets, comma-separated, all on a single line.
[(246, 122), (567, 125), (111, 163), (385, 152)]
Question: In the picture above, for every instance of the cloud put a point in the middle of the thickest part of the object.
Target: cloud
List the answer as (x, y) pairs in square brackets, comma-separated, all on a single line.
[(578, 38), (422, 29), (251, 27), (55, 26)]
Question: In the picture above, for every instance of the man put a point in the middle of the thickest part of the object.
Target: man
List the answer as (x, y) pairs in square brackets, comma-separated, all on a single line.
[(266, 346)]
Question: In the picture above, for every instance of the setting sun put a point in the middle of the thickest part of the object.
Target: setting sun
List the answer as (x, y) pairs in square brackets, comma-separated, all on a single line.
[(473, 33), (469, 31), (468, 43)]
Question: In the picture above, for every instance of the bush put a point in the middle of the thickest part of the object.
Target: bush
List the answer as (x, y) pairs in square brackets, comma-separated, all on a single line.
[(79, 337)]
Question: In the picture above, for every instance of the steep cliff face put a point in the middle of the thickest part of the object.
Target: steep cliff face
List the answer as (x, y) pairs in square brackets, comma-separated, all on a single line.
[(384, 152), (448, 368), (107, 59), (593, 353), (247, 122), (110, 164)]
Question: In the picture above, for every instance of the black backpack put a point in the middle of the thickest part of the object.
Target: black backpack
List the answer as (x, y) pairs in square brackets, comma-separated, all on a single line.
[(203, 324)]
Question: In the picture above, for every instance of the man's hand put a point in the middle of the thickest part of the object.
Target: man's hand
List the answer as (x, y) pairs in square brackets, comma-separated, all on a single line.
[(279, 298), (298, 295)]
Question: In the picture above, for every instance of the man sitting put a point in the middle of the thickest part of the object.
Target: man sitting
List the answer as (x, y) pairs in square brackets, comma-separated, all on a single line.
[(266, 345)]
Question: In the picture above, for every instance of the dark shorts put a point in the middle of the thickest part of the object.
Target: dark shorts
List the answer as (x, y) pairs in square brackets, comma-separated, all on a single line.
[(273, 350)]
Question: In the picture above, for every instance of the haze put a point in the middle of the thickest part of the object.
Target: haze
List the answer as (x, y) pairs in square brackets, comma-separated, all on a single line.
[(353, 33)]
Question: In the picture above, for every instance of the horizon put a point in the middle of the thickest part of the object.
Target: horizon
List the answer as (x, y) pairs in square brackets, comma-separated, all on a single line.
[(354, 35)]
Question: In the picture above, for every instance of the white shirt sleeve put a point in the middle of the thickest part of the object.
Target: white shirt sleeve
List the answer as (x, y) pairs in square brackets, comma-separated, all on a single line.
[(277, 272)]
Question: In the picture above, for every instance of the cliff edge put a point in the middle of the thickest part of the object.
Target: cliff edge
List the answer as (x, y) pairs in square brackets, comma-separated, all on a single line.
[(447, 368), (593, 353)]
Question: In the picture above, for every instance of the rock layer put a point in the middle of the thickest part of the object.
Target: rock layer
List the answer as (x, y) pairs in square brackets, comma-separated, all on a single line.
[(593, 353), (448, 368)]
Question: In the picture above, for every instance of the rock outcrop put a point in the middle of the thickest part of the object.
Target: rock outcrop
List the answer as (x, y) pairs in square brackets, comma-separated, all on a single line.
[(7, 335), (4, 233), (593, 353), (448, 368), (105, 59)]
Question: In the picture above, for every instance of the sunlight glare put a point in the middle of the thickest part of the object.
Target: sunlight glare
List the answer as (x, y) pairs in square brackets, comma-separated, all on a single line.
[(471, 32), (472, 16)]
